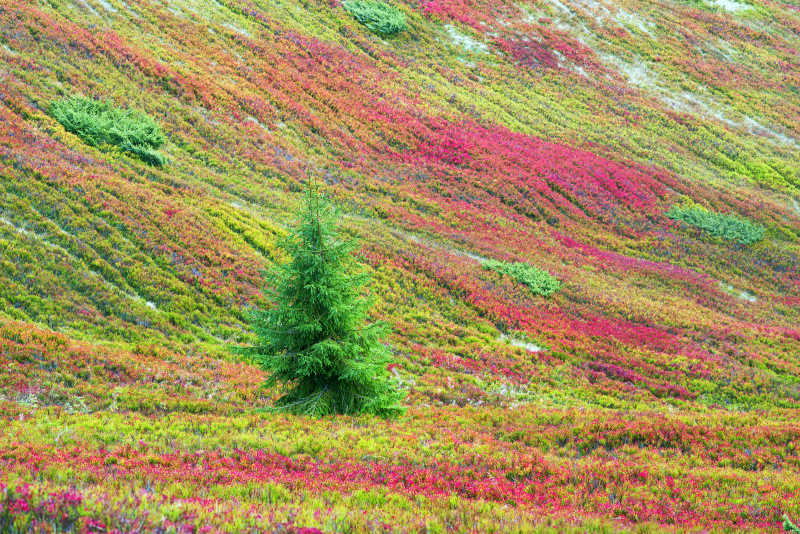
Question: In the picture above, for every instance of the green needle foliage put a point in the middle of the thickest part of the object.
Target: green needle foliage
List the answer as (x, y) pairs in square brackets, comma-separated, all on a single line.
[(721, 225), (379, 17), (100, 124), (539, 281), (788, 526), (315, 340)]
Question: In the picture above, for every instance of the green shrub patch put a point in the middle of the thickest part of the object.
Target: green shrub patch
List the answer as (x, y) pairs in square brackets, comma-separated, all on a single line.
[(379, 17), (100, 124), (721, 225), (539, 281)]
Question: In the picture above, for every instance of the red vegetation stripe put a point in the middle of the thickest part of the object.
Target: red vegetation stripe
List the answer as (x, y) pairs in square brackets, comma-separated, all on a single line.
[(607, 487)]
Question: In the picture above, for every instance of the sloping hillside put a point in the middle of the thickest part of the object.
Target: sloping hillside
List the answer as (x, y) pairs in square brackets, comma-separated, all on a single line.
[(656, 389)]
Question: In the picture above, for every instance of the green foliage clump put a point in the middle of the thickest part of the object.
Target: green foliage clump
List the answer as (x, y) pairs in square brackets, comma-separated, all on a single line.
[(539, 281), (788, 526), (99, 124), (721, 225), (315, 340), (379, 17)]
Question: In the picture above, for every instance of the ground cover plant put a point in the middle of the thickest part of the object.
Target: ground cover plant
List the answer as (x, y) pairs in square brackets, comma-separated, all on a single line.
[(379, 17), (540, 282), (99, 123), (722, 225), (656, 390)]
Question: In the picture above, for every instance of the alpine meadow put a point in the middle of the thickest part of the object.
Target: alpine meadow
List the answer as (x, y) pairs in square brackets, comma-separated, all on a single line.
[(399, 266)]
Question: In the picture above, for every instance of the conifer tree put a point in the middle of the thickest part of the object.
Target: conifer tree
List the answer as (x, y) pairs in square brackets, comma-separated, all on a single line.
[(315, 340)]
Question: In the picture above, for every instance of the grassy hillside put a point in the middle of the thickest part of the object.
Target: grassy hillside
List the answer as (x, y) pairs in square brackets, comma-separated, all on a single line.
[(656, 388)]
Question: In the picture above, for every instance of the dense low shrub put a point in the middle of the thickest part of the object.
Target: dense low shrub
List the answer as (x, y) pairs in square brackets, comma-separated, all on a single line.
[(379, 17), (99, 124), (721, 225), (539, 281), (788, 526)]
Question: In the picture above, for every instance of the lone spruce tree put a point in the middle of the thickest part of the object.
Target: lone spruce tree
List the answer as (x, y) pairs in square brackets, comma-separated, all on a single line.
[(315, 340)]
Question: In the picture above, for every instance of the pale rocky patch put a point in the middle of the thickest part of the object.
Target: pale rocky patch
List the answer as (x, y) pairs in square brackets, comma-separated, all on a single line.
[(738, 293), (465, 42), (530, 347), (632, 20), (5, 48), (731, 6), (107, 6)]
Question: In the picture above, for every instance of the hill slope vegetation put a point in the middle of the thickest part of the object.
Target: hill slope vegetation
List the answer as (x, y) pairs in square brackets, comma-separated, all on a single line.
[(653, 385)]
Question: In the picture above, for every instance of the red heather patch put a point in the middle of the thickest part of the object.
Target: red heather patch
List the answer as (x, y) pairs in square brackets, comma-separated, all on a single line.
[(499, 166), (447, 144), (532, 484), (528, 52), (443, 10)]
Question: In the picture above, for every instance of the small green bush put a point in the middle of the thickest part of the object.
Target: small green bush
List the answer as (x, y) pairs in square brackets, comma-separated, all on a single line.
[(721, 225), (379, 17), (539, 281), (99, 123), (788, 526)]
